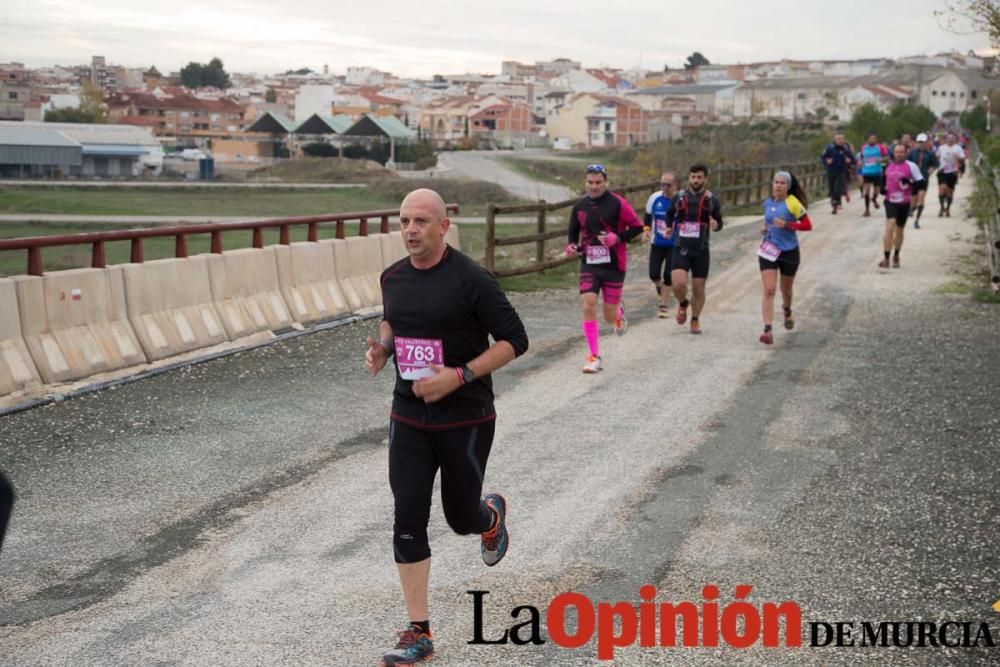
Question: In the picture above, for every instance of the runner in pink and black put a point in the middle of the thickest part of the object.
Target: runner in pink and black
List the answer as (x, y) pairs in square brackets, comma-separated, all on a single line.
[(600, 225), (900, 176)]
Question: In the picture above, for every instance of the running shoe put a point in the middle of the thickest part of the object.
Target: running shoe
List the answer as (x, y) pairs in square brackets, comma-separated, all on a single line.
[(947, 212), (789, 322), (916, 223), (695, 326), (884, 264), (940, 212), (866, 214), (413, 647), (593, 364), (682, 314), (895, 262), (496, 541), (875, 203), (767, 338), (621, 322), (663, 314)]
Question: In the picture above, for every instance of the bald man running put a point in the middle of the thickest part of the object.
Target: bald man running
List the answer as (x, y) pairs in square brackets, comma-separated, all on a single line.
[(440, 308)]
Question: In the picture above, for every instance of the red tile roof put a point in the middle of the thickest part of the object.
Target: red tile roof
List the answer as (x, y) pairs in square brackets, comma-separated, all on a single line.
[(184, 102)]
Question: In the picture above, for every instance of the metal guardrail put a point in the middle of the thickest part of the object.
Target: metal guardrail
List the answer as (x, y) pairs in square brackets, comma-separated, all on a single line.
[(735, 186), (97, 240)]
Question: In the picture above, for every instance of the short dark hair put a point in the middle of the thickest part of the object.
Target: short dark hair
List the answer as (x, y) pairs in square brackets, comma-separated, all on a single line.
[(699, 169)]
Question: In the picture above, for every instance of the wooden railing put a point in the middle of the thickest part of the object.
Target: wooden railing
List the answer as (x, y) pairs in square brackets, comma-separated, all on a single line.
[(97, 240), (736, 186), (990, 176)]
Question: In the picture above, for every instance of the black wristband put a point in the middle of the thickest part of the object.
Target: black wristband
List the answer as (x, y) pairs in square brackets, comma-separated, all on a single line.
[(389, 344)]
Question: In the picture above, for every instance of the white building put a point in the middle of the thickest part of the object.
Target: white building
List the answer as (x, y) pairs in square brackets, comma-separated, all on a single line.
[(955, 90), (714, 100), (365, 76), (312, 99)]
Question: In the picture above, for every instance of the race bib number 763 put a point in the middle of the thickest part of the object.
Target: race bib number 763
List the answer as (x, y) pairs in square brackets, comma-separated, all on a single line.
[(415, 356)]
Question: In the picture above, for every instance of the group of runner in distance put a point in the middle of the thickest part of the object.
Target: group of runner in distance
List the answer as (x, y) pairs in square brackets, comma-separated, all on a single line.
[(441, 308)]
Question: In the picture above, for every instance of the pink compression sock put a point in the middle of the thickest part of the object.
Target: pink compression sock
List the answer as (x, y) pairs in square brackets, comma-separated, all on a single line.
[(590, 331)]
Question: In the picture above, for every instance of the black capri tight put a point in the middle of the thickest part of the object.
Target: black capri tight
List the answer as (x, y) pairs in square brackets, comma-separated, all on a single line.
[(6, 504), (659, 263), (414, 459)]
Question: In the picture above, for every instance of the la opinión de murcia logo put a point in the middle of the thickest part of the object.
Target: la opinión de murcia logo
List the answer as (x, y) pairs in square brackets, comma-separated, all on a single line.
[(737, 624)]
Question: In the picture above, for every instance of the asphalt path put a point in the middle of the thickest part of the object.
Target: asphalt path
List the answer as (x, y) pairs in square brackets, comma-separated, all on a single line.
[(486, 166), (237, 512)]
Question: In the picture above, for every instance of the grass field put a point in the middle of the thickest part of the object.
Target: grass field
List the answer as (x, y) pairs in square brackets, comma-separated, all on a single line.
[(472, 196), (217, 202)]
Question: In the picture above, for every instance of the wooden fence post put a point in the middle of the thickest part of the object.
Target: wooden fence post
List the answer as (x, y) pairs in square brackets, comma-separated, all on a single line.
[(491, 221), (540, 245)]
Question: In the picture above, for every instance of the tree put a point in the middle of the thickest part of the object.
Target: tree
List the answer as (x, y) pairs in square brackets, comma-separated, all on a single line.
[(191, 75), (214, 74), (197, 75), (92, 103), (696, 60), (76, 115), (270, 96), (901, 119), (984, 15)]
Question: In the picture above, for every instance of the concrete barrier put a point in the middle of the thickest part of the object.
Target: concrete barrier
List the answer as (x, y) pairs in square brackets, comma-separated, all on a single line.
[(452, 237), (17, 370), (170, 307), (245, 292), (349, 284), (393, 249), (365, 267), (308, 280), (75, 323)]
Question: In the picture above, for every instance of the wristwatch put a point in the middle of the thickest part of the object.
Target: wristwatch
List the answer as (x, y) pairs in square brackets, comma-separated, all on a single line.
[(467, 375)]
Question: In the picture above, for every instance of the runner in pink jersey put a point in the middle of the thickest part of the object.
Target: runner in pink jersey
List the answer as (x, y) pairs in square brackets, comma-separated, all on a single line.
[(899, 177), (600, 225)]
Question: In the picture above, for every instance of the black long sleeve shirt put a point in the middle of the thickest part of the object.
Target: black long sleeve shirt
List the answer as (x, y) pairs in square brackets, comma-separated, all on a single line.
[(699, 207), (608, 213), (461, 304)]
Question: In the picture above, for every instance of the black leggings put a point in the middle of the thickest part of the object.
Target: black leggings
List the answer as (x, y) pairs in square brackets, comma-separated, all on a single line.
[(414, 459), (836, 182), (659, 263), (6, 504)]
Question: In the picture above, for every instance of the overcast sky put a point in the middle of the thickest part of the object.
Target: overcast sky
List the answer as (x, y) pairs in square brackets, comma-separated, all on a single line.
[(424, 37)]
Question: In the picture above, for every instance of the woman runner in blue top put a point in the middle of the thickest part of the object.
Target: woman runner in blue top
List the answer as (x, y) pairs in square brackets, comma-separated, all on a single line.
[(784, 215)]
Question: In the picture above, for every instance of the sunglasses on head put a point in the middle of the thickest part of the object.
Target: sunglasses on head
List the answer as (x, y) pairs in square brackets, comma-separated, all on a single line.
[(596, 169)]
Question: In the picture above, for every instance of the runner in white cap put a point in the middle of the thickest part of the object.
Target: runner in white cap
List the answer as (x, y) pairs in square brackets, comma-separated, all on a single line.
[(925, 159)]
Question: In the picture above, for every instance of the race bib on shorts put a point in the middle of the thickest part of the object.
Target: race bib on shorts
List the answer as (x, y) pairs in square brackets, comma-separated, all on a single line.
[(690, 230), (896, 197), (768, 251), (415, 356), (598, 254), (661, 228)]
